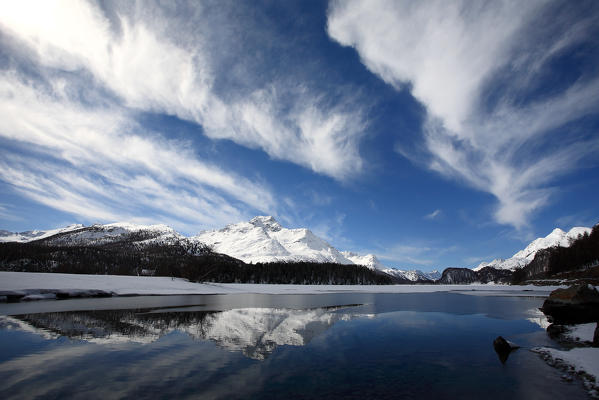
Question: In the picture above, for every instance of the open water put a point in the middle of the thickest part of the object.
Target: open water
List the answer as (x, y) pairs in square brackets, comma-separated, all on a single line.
[(362, 346)]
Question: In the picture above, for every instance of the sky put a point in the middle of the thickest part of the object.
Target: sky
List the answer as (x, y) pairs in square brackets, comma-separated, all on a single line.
[(430, 133)]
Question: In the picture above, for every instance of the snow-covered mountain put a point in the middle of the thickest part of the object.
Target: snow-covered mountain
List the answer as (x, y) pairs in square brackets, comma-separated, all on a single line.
[(263, 239), (28, 236), (416, 274), (368, 260), (98, 234), (519, 260)]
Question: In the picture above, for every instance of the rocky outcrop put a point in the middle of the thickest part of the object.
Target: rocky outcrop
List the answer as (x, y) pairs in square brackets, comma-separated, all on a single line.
[(490, 274), (575, 305), (466, 275), (457, 276)]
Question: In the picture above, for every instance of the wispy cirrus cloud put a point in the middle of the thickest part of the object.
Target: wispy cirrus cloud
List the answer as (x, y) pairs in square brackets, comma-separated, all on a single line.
[(410, 252), (477, 68), (163, 59), (98, 164), (77, 75), (434, 215)]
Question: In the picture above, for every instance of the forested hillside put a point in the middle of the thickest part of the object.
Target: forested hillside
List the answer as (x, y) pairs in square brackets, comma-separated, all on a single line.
[(181, 259), (579, 260)]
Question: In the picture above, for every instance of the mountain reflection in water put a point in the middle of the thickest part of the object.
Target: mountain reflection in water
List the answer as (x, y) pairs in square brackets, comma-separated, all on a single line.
[(255, 332)]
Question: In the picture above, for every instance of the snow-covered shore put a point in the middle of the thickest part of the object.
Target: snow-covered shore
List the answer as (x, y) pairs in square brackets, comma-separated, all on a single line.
[(37, 286), (582, 361)]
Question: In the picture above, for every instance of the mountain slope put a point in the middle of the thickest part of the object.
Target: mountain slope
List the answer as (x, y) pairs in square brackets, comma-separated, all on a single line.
[(578, 261), (369, 260), (79, 235), (263, 239), (125, 249), (28, 236), (522, 258)]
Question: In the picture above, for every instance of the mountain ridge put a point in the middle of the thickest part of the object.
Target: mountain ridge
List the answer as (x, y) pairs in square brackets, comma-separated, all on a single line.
[(520, 259), (264, 240), (261, 240)]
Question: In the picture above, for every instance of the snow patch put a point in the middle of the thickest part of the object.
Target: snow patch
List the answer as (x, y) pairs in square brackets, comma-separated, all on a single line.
[(582, 360), (581, 332)]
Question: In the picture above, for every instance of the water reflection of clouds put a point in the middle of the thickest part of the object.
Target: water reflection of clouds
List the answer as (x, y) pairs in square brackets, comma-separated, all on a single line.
[(89, 370)]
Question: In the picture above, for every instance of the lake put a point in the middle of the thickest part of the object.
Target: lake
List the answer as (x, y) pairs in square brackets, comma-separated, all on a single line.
[(341, 345)]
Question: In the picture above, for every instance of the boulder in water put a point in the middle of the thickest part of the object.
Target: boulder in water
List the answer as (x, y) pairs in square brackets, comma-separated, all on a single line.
[(503, 348), (577, 304)]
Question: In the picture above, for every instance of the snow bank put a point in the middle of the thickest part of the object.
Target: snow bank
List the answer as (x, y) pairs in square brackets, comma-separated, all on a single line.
[(580, 360), (31, 284), (581, 332)]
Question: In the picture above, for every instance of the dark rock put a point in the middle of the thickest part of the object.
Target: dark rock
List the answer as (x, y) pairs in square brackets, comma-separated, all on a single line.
[(555, 331), (596, 336), (503, 348), (14, 297), (577, 304)]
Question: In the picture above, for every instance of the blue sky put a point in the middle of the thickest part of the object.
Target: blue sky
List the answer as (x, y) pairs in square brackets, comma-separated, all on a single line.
[(430, 133)]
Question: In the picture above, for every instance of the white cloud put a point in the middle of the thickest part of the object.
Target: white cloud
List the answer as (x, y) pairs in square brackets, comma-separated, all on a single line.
[(449, 55), (157, 61), (99, 164), (434, 215), (408, 252), (444, 50)]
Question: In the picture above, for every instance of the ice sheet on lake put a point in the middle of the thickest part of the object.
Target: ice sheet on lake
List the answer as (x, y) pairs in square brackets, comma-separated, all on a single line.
[(35, 284)]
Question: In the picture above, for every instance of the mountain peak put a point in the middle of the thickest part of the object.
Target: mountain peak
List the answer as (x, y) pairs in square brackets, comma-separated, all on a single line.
[(263, 239), (267, 222)]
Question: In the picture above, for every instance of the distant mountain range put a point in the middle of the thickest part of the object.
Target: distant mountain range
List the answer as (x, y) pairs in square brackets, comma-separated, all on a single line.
[(157, 250), (264, 240), (260, 240)]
